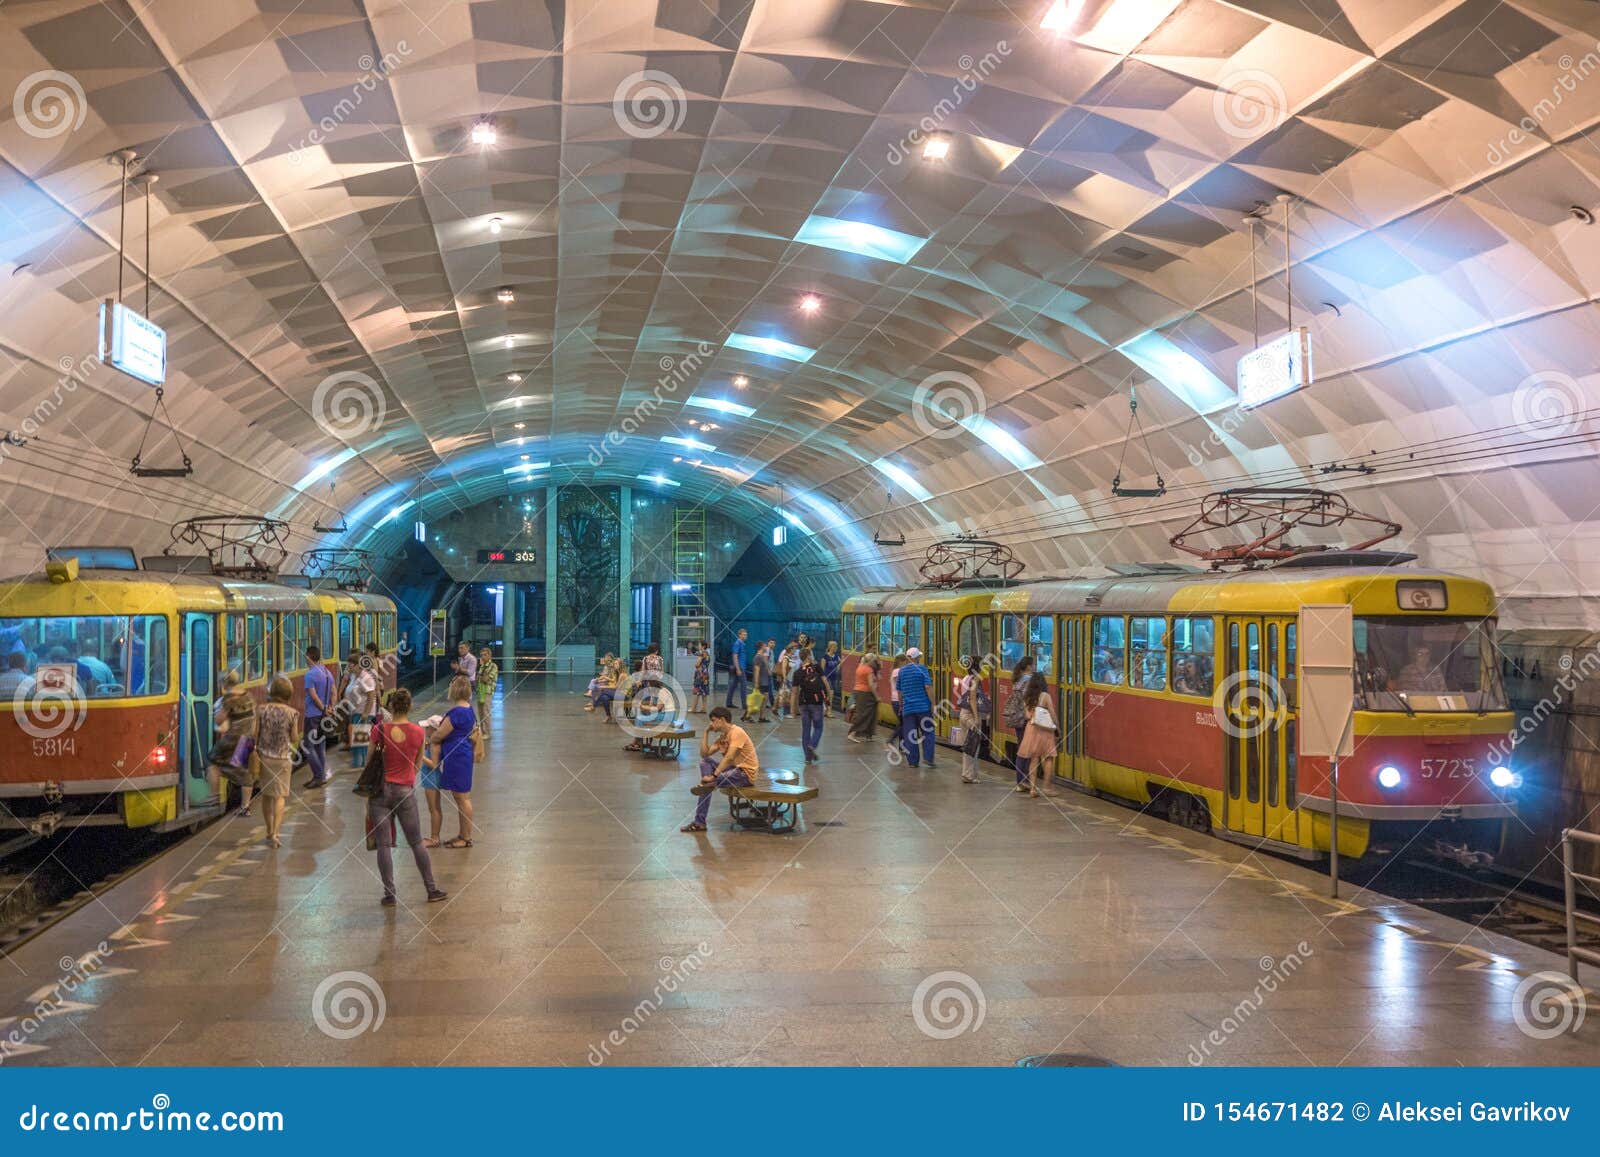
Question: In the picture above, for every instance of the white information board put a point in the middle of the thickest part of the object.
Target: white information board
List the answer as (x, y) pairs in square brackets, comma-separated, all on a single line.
[(132, 343), (1327, 680)]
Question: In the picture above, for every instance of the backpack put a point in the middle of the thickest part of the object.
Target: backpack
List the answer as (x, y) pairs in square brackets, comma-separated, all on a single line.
[(981, 709), (1016, 711)]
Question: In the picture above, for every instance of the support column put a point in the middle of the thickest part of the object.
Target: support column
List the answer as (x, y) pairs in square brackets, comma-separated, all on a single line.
[(550, 546), (510, 625), (625, 570)]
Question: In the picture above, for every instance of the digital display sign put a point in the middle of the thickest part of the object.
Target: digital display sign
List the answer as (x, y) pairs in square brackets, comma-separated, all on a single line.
[(511, 555), (1280, 367), (132, 343)]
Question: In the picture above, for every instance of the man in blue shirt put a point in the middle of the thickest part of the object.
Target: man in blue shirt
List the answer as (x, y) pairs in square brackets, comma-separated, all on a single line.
[(737, 688), (916, 709), (319, 699)]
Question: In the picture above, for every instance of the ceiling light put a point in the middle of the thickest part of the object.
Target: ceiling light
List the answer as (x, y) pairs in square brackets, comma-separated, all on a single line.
[(513, 377), (519, 426), (483, 132), (658, 479), (708, 425), (688, 443), (506, 296), (810, 303), (741, 382), (525, 457), (495, 225), (771, 346), (1061, 16), (677, 459), (510, 341), (860, 238), (902, 477), (937, 148), (526, 468), (721, 406)]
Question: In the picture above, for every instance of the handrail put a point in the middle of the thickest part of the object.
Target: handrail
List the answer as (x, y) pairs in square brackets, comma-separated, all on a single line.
[(521, 664), (1570, 878)]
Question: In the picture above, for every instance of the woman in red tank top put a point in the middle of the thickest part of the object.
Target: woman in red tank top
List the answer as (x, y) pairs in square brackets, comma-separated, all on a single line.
[(401, 741)]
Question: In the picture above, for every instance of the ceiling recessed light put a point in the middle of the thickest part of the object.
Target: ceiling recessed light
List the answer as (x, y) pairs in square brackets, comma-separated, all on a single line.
[(506, 296), (484, 132), (520, 426), (741, 381), (525, 457), (510, 341), (1061, 15), (513, 377), (937, 148), (810, 303), (495, 224)]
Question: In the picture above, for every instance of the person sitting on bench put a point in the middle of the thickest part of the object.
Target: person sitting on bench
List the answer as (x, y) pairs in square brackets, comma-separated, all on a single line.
[(738, 766)]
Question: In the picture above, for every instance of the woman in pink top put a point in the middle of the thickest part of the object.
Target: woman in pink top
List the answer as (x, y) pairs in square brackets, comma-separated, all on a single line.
[(401, 742)]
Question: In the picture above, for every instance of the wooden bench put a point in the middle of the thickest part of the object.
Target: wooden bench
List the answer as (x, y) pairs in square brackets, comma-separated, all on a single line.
[(666, 744), (772, 802)]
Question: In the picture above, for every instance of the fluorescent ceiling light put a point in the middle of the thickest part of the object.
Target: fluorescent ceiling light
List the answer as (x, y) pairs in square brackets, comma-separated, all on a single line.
[(658, 479), (793, 520), (483, 133), (903, 479), (936, 149), (688, 443), (860, 237), (519, 400), (396, 512), (721, 406), (322, 469), (1002, 442), (1184, 375), (526, 468), (771, 346), (1062, 15)]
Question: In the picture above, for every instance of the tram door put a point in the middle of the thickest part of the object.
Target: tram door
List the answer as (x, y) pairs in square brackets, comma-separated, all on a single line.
[(1258, 714), (1074, 765), (939, 663), (197, 694)]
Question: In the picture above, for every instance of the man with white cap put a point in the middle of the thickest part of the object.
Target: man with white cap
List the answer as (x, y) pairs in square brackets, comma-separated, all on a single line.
[(916, 709)]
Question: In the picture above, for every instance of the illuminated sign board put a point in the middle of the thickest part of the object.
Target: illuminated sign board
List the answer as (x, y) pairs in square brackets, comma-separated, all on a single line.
[(132, 343), (1280, 367), (515, 557)]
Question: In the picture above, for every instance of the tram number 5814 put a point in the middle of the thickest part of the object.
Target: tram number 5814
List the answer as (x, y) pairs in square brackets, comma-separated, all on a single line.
[(1449, 768), (55, 746)]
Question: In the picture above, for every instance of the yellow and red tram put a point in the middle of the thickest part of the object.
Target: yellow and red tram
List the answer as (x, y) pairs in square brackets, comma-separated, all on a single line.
[(1178, 691), (111, 678)]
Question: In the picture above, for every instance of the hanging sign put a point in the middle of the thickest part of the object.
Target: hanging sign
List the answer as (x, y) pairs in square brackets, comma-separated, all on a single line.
[(436, 627), (132, 343), (1280, 367)]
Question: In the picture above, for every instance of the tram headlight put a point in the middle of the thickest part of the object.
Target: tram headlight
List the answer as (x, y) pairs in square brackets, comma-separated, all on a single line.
[(1389, 777), (1504, 777)]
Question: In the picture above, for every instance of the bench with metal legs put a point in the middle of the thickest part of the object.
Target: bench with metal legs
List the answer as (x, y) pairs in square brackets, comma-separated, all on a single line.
[(772, 803)]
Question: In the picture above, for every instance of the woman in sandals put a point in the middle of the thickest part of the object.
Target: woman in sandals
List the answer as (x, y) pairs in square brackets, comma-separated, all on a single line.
[(277, 739), (1038, 745), (455, 750)]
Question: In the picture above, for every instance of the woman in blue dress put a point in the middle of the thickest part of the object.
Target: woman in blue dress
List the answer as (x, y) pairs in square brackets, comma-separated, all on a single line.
[(455, 750)]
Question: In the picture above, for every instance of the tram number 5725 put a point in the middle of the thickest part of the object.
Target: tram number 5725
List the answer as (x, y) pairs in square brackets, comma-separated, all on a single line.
[(1449, 768)]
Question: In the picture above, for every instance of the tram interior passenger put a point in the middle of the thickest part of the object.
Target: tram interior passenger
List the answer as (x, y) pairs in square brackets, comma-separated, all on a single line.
[(95, 656)]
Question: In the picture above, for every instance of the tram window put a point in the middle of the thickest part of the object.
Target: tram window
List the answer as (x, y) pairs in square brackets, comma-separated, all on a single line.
[(913, 632), (93, 656), (1013, 642), (1148, 642), (1252, 772), (346, 636), (1291, 685), (1193, 656), (235, 644), (199, 665), (255, 659), (1110, 651), (886, 635), (289, 639), (1042, 644), (269, 643), (327, 636), (1291, 764)]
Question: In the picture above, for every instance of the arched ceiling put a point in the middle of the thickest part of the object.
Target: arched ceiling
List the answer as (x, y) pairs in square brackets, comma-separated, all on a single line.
[(670, 177)]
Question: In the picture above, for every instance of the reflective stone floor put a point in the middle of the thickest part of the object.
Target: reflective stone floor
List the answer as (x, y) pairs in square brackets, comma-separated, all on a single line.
[(910, 920)]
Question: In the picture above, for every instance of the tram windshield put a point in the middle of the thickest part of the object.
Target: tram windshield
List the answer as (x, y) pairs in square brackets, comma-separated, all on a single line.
[(87, 656), (1406, 663)]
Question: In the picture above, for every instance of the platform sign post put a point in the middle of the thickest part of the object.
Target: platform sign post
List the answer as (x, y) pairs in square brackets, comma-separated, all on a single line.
[(437, 621), (1327, 702)]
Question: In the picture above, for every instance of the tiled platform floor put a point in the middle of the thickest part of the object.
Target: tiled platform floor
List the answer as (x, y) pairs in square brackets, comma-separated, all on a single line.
[(578, 919)]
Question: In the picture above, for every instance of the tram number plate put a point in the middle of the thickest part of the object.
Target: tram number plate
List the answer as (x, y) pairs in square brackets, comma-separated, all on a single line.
[(55, 746), (1449, 768)]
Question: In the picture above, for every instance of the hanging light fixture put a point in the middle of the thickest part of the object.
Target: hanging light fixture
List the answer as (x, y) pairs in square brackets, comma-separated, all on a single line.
[(506, 295)]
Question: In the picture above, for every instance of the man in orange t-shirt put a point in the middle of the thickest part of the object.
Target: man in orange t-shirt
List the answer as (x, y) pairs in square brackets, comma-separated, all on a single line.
[(737, 767)]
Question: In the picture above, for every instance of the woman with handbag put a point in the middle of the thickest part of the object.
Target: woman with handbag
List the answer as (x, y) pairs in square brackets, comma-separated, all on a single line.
[(967, 692), (457, 745), (1015, 714), (277, 737), (1039, 738), (233, 748)]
